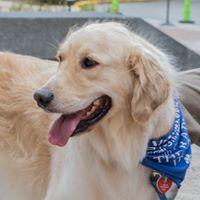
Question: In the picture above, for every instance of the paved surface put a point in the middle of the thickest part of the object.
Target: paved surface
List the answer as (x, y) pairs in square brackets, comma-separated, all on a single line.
[(28, 29), (155, 13), (191, 186), (187, 34), (156, 10)]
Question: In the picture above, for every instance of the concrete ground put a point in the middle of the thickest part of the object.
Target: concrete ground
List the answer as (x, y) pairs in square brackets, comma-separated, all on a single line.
[(156, 10), (155, 13), (187, 34), (190, 189)]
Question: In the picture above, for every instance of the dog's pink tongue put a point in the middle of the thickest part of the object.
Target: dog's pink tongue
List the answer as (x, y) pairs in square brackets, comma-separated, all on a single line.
[(63, 128)]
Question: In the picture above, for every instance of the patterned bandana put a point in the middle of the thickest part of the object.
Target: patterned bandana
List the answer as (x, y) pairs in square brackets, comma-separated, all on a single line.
[(169, 157)]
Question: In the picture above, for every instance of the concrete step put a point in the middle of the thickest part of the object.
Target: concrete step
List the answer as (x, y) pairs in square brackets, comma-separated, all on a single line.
[(39, 34), (186, 34)]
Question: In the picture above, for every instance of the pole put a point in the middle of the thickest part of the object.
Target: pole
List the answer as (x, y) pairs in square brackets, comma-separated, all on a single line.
[(167, 14), (167, 22), (70, 3), (115, 6)]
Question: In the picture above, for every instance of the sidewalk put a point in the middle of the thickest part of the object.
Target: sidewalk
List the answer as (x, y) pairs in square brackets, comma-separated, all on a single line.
[(154, 12), (186, 34)]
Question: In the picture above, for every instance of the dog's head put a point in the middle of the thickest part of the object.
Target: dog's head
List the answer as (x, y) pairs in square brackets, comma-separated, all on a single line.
[(102, 69)]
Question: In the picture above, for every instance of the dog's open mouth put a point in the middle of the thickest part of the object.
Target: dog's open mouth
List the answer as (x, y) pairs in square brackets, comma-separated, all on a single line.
[(72, 124)]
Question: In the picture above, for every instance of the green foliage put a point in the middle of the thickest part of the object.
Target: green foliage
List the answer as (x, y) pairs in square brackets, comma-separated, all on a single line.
[(31, 5), (17, 7), (88, 7)]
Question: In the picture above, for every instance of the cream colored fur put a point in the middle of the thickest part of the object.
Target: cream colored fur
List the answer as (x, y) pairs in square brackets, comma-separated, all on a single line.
[(24, 150), (105, 162)]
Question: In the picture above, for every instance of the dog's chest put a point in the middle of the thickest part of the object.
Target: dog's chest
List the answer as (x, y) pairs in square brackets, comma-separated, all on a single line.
[(14, 186), (76, 177)]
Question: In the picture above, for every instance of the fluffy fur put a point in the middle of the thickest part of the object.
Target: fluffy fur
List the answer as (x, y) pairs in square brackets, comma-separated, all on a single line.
[(105, 162), (24, 150)]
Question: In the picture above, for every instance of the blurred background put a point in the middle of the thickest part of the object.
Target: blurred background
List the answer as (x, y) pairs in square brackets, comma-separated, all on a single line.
[(163, 14), (179, 19)]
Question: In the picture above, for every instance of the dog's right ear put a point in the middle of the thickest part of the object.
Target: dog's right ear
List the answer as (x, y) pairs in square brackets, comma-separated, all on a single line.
[(151, 88)]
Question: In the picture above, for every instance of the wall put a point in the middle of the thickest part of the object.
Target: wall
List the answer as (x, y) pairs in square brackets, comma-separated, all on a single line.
[(39, 34)]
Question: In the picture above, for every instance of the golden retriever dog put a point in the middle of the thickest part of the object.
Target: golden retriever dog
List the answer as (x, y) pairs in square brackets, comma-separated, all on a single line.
[(24, 150), (111, 92)]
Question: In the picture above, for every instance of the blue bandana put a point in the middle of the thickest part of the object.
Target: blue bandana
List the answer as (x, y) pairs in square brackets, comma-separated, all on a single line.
[(169, 155)]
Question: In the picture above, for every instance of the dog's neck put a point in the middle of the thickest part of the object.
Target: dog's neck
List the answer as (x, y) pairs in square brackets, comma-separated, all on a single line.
[(122, 141), (111, 154)]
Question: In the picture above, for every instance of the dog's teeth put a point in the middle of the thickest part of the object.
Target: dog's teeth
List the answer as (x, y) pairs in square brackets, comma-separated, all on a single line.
[(97, 102), (93, 109), (88, 113)]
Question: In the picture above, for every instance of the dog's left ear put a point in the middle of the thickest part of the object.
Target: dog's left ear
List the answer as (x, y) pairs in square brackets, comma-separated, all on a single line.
[(151, 88)]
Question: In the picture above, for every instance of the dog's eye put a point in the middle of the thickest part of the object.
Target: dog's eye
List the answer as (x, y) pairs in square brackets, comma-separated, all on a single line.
[(88, 63)]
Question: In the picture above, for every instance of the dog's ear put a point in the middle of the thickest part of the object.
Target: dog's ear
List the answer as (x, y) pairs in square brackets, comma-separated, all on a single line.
[(151, 88)]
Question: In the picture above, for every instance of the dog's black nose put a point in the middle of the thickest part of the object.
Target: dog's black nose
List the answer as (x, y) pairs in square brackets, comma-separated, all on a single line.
[(43, 97)]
